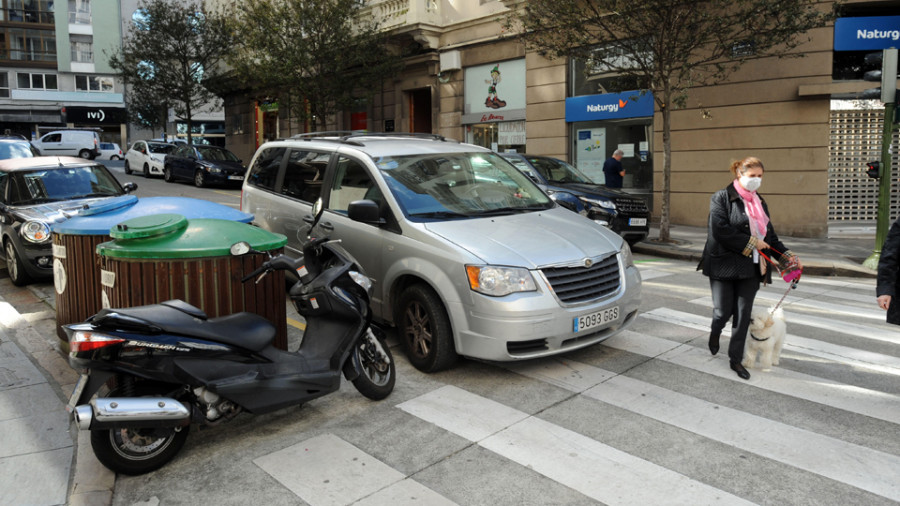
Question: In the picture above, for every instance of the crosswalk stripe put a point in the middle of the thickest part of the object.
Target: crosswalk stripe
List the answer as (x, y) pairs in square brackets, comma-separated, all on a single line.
[(881, 405), (812, 347), (848, 463), (827, 307), (834, 324), (648, 274), (567, 457), (328, 471)]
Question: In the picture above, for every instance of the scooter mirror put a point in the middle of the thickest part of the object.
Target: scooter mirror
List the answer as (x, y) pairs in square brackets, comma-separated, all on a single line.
[(317, 210), (240, 248)]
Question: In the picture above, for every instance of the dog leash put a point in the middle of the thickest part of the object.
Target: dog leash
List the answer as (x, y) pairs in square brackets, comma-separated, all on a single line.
[(791, 274)]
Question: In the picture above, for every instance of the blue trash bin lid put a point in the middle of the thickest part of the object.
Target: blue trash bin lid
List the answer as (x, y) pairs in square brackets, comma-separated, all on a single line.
[(100, 223)]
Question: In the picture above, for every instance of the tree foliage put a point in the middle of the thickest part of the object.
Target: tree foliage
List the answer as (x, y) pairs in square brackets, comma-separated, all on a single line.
[(170, 49), (669, 46), (317, 57)]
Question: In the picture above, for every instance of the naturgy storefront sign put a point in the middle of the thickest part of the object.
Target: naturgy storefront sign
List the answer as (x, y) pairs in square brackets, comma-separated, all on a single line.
[(864, 34), (630, 104)]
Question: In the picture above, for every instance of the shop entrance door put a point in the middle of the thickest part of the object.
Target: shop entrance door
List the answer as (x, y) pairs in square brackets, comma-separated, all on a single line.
[(420, 110)]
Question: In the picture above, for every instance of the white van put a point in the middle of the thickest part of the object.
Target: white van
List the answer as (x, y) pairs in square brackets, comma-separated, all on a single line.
[(81, 143)]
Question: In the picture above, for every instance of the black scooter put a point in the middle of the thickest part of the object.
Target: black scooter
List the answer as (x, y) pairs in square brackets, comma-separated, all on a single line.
[(168, 365)]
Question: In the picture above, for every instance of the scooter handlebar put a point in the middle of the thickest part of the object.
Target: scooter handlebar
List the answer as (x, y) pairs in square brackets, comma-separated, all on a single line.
[(281, 262)]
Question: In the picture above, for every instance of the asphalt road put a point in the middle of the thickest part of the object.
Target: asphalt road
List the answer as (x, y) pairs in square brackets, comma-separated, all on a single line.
[(648, 417)]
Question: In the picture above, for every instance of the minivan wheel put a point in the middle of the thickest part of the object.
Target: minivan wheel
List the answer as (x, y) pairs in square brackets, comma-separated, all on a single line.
[(424, 328), (84, 153)]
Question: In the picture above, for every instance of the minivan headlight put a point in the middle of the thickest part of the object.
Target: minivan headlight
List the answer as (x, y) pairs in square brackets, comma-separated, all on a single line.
[(499, 281), (606, 204), (35, 231), (627, 257)]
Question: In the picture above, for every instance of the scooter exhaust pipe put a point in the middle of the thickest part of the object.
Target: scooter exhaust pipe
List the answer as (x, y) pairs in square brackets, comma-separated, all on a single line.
[(131, 412)]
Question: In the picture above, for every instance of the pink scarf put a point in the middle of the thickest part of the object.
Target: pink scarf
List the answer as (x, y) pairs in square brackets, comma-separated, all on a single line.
[(759, 221)]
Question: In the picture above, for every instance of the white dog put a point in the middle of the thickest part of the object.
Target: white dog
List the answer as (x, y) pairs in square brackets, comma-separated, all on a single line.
[(765, 339)]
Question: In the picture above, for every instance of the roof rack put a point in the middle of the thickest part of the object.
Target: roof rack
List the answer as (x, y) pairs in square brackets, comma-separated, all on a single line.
[(345, 136)]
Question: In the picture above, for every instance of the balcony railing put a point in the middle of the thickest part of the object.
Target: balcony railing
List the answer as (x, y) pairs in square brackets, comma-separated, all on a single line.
[(82, 56), (80, 17), (394, 13)]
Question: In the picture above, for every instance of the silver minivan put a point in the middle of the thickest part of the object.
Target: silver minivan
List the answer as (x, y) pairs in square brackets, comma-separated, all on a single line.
[(467, 255)]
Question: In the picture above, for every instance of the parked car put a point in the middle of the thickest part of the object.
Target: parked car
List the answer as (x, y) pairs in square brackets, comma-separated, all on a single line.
[(37, 192), (110, 151), (147, 157), (16, 147), (204, 165), (81, 143), (467, 255), (625, 214)]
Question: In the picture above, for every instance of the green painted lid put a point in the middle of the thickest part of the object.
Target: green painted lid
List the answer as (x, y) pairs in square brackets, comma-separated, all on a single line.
[(158, 236), (148, 226)]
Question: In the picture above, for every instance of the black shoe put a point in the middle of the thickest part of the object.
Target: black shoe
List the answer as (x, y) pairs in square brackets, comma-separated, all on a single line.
[(713, 344), (739, 369)]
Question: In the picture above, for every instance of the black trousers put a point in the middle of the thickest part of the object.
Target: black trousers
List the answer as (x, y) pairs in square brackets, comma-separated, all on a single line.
[(733, 298)]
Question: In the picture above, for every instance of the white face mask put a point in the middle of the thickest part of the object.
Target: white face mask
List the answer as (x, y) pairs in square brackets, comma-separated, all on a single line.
[(751, 183)]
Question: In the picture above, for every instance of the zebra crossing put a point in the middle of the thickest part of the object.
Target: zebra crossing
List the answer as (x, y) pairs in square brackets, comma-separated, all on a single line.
[(648, 417)]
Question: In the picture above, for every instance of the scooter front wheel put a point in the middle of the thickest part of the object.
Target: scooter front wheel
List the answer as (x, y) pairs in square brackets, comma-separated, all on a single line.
[(377, 377)]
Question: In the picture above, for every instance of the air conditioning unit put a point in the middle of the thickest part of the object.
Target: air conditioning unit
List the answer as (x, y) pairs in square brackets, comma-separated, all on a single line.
[(450, 60)]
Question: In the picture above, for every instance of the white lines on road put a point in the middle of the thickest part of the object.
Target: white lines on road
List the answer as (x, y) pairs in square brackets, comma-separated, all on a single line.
[(834, 324), (881, 405), (848, 463), (328, 471), (842, 354), (567, 457)]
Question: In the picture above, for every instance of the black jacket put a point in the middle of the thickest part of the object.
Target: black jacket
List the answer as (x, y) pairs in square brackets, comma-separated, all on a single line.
[(889, 272), (728, 253)]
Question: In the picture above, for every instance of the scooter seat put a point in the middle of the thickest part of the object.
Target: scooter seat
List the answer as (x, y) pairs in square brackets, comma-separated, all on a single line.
[(246, 330)]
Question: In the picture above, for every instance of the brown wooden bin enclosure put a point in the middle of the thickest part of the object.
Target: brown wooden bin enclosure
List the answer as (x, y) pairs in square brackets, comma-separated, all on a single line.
[(76, 265), (212, 284)]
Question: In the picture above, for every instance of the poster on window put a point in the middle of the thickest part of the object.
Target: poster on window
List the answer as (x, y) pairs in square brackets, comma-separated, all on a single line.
[(590, 149)]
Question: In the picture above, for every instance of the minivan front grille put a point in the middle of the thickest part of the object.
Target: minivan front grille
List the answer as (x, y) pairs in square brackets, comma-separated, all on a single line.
[(580, 284)]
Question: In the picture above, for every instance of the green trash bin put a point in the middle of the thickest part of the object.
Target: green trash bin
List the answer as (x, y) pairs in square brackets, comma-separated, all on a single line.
[(160, 257)]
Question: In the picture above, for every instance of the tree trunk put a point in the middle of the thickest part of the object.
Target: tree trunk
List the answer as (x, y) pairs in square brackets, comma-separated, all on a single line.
[(667, 168)]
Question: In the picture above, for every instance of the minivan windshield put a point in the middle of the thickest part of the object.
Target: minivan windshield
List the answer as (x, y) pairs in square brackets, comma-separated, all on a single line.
[(459, 185)]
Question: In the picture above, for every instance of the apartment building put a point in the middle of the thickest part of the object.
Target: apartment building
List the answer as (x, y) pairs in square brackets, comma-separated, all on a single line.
[(53, 72), (467, 79)]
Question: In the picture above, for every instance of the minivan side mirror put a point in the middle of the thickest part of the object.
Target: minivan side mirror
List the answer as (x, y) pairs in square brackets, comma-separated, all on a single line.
[(365, 211)]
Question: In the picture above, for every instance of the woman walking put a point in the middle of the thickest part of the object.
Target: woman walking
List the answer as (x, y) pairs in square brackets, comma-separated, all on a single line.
[(739, 228)]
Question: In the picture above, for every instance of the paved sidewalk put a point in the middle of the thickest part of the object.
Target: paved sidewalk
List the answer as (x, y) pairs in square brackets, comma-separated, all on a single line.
[(840, 254), (38, 446)]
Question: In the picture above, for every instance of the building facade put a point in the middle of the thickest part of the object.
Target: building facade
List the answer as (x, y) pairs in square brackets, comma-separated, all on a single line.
[(53, 72), (472, 81)]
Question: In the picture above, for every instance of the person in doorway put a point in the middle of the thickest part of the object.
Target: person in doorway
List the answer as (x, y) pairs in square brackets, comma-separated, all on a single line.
[(613, 170), (739, 229), (889, 274)]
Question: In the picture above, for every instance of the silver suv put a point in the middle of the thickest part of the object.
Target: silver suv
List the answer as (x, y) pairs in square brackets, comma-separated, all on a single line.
[(467, 255)]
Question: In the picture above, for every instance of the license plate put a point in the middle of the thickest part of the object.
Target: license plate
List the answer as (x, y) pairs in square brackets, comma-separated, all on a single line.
[(589, 321), (236, 178), (76, 394), (637, 222)]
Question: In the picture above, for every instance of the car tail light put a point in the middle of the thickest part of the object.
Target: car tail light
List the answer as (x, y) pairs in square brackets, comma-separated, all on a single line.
[(89, 341)]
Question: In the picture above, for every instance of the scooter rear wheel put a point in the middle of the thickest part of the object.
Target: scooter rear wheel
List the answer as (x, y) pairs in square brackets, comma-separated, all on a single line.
[(376, 380), (137, 451)]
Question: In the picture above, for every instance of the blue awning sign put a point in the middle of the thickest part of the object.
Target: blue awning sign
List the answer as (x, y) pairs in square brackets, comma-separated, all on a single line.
[(865, 34), (629, 104)]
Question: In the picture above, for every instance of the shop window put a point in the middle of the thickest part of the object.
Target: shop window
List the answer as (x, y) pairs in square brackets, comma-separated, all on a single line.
[(103, 84), (33, 81)]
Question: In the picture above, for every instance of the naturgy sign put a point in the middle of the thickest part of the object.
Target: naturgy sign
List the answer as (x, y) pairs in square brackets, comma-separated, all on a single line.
[(864, 34), (630, 104)]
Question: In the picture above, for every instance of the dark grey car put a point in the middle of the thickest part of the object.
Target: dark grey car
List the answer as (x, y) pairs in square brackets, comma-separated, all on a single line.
[(36, 193)]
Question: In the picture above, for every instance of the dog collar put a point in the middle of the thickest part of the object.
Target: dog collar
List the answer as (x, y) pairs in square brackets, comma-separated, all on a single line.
[(758, 339)]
